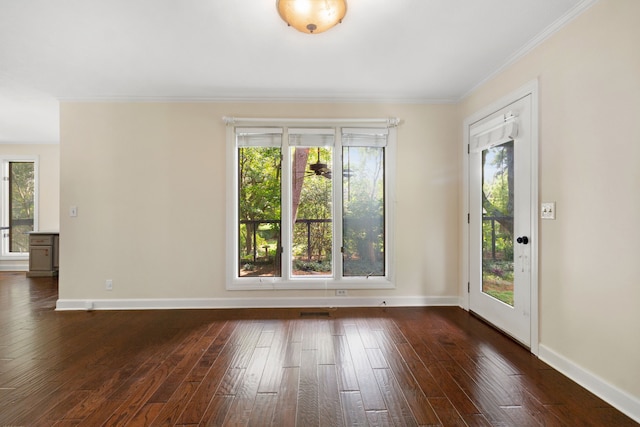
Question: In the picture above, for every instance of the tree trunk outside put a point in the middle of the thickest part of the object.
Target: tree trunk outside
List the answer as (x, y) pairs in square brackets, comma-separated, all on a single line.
[(299, 169)]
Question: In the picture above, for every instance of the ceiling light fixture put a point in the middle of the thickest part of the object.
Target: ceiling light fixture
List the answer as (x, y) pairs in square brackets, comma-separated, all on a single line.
[(312, 16)]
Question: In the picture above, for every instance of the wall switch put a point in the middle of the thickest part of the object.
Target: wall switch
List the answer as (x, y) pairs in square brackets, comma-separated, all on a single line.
[(73, 211), (108, 284), (548, 210), (341, 292)]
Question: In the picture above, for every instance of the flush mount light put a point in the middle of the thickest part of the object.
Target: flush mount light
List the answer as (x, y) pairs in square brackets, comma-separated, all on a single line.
[(312, 16)]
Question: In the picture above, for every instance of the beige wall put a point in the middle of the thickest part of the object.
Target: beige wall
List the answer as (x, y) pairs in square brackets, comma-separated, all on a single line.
[(49, 181), (589, 77), (149, 183)]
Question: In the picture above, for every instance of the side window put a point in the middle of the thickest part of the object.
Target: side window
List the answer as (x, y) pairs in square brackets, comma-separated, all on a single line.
[(363, 202), (19, 196), (259, 157)]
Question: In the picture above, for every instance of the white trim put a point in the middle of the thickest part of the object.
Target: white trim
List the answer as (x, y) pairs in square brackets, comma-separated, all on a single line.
[(391, 194), (530, 88), (231, 203), (269, 302), (305, 283), (337, 198), (621, 400), (293, 99), (15, 264)]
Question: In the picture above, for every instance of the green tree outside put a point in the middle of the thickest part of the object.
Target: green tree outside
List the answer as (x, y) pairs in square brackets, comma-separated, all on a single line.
[(497, 225), (21, 204)]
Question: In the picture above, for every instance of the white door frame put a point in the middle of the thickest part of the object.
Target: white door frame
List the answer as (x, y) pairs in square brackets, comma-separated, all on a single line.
[(532, 89)]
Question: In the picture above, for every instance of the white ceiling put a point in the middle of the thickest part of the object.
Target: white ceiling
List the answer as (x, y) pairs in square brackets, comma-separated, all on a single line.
[(385, 50)]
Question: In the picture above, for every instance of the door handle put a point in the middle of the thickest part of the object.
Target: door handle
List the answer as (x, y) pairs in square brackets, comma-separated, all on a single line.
[(523, 240)]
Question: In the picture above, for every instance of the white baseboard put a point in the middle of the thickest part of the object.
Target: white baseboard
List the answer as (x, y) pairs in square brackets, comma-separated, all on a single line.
[(204, 303), (624, 402), (14, 266)]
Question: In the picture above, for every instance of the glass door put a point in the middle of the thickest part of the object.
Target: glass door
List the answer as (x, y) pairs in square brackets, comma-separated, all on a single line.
[(500, 219)]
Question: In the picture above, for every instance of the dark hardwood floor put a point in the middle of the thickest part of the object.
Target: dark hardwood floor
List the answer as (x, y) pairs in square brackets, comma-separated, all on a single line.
[(277, 367)]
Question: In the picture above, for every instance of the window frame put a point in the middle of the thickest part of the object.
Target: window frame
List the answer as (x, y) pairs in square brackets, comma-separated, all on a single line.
[(5, 254), (287, 280)]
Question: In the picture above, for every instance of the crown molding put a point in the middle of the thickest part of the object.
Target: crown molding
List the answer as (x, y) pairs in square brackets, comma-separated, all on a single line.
[(260, 100), (552, 29)]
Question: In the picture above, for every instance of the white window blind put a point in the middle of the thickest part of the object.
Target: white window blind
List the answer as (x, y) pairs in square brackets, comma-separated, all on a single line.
[(365, 137), (307, 137), (493, 132), (259, 137)]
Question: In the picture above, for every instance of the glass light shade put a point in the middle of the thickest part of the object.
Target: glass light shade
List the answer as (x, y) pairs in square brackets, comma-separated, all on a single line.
[(312, 16)]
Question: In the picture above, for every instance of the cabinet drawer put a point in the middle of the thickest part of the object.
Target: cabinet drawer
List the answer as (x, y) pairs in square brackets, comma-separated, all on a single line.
[(40, 258), (37, 240)]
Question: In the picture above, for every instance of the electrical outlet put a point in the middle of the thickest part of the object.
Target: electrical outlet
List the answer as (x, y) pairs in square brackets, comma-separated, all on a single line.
[(341, 292), (108, 284)]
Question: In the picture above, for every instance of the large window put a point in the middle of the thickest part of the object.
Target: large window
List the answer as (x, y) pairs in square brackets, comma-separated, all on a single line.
[(19, 196), (310, 206)]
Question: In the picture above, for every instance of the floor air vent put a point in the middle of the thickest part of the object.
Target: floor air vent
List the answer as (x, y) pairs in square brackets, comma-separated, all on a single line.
[(314, 314)]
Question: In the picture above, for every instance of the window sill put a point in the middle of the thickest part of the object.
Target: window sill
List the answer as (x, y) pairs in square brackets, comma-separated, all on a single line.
[(271, 283), (21, 257)]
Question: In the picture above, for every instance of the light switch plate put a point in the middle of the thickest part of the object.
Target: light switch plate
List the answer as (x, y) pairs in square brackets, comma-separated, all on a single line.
[(548, 210), (73, 211)]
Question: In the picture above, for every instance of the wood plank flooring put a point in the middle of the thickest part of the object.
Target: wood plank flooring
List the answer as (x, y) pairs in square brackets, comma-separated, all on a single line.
[(435, 366)]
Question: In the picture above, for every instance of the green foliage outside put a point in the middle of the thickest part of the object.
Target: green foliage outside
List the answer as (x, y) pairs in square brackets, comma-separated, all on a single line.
[(22, 202), (301, 265), (497, 224), (363, 226), (259, 200), (363, 204), (506, 296), (315, 204)]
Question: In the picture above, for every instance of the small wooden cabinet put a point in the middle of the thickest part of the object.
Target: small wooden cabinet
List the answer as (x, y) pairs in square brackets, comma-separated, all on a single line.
[(43, 254)]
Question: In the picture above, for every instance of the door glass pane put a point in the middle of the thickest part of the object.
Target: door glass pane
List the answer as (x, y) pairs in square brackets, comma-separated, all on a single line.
[(497, 222), (363, 211), (259, 211), (311, 208), (21, 205)]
